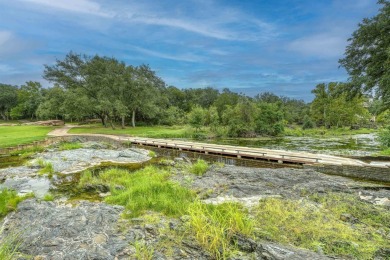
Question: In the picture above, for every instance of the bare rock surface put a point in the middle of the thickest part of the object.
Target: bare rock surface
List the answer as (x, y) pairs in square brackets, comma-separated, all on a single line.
[(248, 185)]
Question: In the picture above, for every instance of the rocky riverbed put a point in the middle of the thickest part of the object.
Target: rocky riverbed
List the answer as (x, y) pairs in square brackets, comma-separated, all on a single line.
[(80, 229)]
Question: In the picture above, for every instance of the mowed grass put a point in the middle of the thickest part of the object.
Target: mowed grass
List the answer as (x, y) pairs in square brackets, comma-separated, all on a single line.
[(141, 131), (14, 135)]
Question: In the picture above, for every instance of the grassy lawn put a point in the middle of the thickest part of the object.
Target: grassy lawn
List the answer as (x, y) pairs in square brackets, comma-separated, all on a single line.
[(14, 135), (142, 131)]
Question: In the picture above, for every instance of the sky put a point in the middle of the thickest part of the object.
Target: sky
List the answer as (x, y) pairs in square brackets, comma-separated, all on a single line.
[(251, 46)]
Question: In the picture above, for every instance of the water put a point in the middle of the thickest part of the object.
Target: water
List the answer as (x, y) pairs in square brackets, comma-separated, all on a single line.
[(352, 145)]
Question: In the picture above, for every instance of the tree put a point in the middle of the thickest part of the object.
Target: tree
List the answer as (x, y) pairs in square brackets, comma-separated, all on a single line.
[(197, 117), (29, 98), (52, 104), (8, 99), (332, 108), (367, 57)]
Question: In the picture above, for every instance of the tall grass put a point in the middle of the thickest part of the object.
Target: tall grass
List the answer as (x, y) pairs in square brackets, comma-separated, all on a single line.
[(9, 247), (145, 189), (46, 167), (9, 200), (200, 167), (215, 226), (28, 152), (305, 225)]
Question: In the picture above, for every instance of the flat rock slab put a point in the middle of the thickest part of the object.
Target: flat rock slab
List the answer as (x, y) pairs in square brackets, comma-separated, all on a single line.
[(72, 161), (248, 185)]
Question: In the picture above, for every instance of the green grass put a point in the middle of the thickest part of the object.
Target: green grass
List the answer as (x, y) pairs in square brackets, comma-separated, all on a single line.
[(9, 200), (385, 152), (143, 251), (28, 152), (306, 225), (215, 226), (142, 131), (9, 247), (48, 197), (145, 189), (15, 135), (321, 131), (46, 167), (69, 146), (200, 167)]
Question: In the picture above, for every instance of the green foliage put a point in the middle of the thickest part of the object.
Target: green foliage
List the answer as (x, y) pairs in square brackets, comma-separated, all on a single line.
[(48, 197), (152, 154), (307, 123), (331, 106), (69, 146), (9, 199), (197, 117), (215, 226), (146, 189), (29, 98), (269, 120), (304, 224), (367, 56), (8, 99), (15, 135), (200, 167), (384, 137)]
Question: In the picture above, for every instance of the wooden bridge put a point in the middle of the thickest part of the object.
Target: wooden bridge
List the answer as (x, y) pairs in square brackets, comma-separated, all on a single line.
[(278, 156)]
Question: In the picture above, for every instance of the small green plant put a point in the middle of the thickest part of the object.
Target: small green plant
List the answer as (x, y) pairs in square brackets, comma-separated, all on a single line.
[(384, 137), (48, 197), (46, 168), (69, 146), (214, 226), (143, 251), (152, 154), (200, 167), (9, 200)]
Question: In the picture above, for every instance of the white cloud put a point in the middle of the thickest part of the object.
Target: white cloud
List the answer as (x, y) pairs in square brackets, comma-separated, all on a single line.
[(325, 45), (78, 6), (185, 57)]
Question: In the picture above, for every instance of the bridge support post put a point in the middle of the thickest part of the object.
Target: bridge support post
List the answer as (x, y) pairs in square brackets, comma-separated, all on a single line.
[(280, 161), (239, 156), (205, 152)]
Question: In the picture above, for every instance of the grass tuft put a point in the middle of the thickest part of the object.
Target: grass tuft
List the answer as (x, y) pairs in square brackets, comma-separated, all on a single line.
[(46, 167), (145, 189), (9, 200), (143, 251), (200, 167), (9, 247), (48, 197), (69, 146), (215, 226), (152, 154), (28, 152)]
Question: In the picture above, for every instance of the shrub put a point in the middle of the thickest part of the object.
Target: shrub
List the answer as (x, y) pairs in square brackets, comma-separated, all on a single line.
[(384, 137)]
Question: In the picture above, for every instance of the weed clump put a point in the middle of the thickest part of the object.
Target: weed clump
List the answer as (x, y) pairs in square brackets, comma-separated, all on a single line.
[(214, 226), (145, 189), (46, 167), (200, 167), (307, 225), (69, 146), (48, 197), (9, 200)]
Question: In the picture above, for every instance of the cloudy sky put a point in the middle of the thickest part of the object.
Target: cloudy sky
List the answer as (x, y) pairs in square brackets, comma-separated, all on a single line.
[(249, 46)]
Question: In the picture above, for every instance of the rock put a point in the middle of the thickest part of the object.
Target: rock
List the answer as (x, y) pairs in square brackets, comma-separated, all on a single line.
[(271, 251), (244, 244), (348, 218), (382, 254)]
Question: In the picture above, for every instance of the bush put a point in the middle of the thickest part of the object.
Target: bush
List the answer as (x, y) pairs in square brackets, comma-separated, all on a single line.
[(384, 137), (307, 123)]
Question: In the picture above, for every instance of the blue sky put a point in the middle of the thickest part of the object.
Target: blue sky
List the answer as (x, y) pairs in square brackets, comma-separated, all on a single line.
[(250, 46)]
